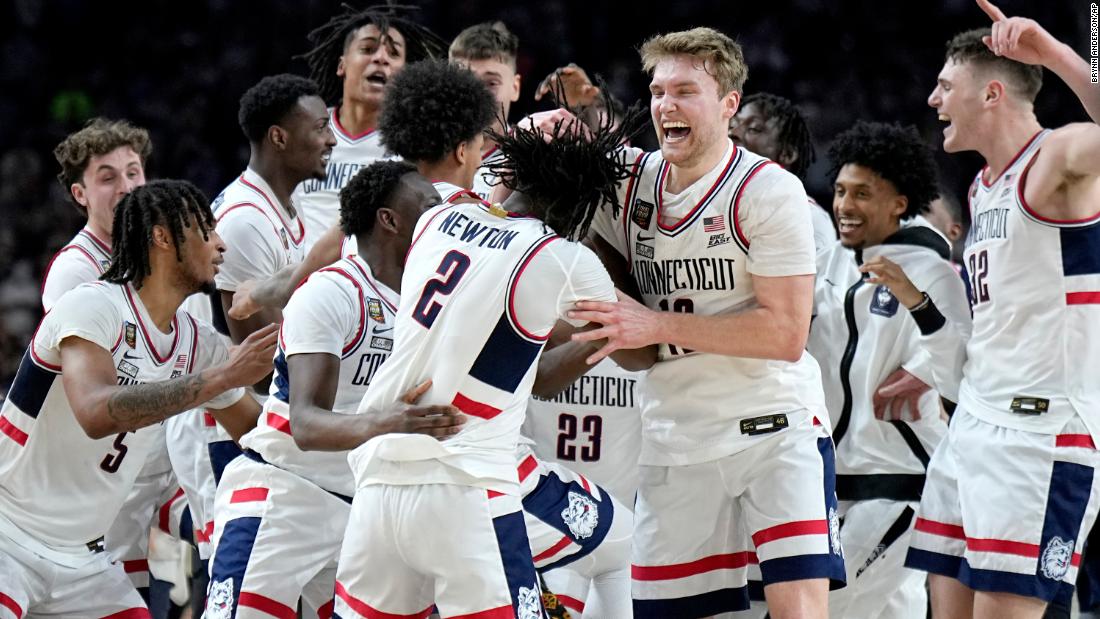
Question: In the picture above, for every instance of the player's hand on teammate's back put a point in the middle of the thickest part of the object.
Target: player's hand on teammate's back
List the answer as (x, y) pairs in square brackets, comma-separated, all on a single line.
[(626, 324), (900, 390), (1019, 38), (551, 123), (250, 360), (571, 83), (244, 305), (439, 420), (887, 272)]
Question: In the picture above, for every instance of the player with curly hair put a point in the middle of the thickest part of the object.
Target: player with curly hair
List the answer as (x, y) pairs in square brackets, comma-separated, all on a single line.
[(482, 289), (869, 348), (110, 362), (355, 56)]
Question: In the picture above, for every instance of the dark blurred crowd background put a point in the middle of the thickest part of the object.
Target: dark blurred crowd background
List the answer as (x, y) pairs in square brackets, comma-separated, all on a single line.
[(179, 69)]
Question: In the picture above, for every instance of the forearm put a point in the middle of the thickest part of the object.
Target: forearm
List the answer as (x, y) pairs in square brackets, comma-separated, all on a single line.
[(131, 407), (560, 367), (1076, 73), (275, 291), (317, 429), (757, 333)]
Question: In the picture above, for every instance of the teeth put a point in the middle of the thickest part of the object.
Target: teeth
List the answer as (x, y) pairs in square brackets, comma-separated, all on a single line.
[(674, 124), (945, 118)]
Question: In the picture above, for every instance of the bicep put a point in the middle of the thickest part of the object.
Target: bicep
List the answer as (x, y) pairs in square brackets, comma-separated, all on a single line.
[(790, 295), (88, 378)]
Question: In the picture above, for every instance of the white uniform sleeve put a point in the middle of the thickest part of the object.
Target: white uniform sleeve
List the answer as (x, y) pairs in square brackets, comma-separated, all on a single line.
[(824, 232), (772, 215), (211, 350), (86, 312), (607, 225), (70, 268), (570, 268), (945, 347), (319, 318), (252, 248)]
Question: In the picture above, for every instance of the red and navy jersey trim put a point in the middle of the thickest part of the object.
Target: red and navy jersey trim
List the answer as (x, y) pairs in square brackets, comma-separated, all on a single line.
[(153, 352), (361, 330), (735, 206), (343, 133), (278, 213), (697, 210)]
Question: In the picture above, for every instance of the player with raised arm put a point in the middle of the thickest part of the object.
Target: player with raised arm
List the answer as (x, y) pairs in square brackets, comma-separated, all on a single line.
[(355, 56), (883, 176), (719, 245), (1026, 418), (482, 290), (110, 360)]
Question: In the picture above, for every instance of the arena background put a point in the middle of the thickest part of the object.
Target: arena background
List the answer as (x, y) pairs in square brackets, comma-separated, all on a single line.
[(179, 68)]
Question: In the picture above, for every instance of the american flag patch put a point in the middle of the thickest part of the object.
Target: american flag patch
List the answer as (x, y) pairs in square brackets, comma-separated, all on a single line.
[(714, 224), (179, 366)]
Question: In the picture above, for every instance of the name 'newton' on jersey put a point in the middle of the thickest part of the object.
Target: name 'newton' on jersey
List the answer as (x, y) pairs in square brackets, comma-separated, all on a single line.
[(1035, 287), (480, 293), (344, 311)]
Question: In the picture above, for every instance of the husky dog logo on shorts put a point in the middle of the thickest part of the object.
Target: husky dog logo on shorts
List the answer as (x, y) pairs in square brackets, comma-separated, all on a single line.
[(219, 602), (581, 516), (834, 531), (1056, 557), (529, 604)]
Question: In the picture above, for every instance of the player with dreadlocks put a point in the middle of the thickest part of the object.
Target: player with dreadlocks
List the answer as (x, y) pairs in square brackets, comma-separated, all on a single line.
[(110, 360), (482, 289), (772, 126), (354, 57)]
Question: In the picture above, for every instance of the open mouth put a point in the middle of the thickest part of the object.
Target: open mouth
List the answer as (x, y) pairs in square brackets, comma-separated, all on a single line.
[(675, 131), (377, 78), (947, 119), (848, 225), (325, 156)]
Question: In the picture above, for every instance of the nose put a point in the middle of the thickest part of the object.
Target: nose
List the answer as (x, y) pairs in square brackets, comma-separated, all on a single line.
[(330, 137), (934, 97), (216, 239)]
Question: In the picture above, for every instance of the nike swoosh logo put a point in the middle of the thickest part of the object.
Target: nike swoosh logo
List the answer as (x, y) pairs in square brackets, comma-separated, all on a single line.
[(126, 355), (378, 330), (644, 239)]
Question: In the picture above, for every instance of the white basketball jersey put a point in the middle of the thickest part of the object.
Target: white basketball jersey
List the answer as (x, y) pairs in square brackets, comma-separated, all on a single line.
[(340, 310), (260, 235), (480, 293), (1035, 289), (57, 485), (594, 427), (84, 259), (318, 201), (694, 252)]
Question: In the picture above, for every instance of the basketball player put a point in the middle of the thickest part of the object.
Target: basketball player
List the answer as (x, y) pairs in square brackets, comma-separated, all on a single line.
[(109, 361), (883, 174), (945, 214), (355, 55), (1026, 418), (720, 247), (771, 126), (469, 262), (99, 164), (489, 50)]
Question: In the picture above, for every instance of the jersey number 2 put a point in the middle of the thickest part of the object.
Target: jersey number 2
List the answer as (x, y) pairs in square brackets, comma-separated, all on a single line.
[(451, 269)]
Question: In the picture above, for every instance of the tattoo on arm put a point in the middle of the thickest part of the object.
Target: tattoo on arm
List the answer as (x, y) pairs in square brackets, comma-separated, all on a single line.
[(137, 406)]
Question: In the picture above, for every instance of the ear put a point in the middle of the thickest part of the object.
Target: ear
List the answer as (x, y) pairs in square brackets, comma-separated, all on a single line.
[(954, 232), (386, 218), (277, 136), (162, 238), (787, 157), (461, 153), (516, 83), (81, 198), (994, 92), (900, 204), (340, 70), (730, 103)]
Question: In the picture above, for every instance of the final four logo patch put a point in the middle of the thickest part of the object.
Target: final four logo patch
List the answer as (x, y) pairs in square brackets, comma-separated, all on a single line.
[(131, 334), (374, 310), (642, 214)]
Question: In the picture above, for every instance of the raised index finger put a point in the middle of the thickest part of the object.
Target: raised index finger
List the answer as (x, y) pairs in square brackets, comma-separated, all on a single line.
[(991, 10)]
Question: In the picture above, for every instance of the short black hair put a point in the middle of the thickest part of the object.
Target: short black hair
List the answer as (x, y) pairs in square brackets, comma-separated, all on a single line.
[(268, 102), (950, 203), (794, 133), (896, 153), (331, 39), (968, 47), (369, 190), (486, 41), (170, 203), (570, 176), (431, 107)]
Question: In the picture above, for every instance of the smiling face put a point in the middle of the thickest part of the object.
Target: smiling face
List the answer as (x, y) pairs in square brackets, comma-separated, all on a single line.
[(958, 98), (369, 62), (689, 113), (867, 206), (309, 138), (751, 128)]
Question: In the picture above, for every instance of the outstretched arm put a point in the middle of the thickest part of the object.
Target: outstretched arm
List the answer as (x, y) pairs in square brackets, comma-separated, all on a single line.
[(1024, 40)]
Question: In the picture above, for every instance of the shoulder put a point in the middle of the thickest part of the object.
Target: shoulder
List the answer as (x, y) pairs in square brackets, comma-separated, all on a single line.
[(90, 302)]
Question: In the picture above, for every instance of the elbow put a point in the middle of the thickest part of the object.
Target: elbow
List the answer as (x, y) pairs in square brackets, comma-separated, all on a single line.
[(303, 433), (792, 344), (95, 425), (638, 360)]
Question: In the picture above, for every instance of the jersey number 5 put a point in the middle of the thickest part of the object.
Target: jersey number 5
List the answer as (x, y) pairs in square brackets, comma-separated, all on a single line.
[(112, 461), (451, 269)]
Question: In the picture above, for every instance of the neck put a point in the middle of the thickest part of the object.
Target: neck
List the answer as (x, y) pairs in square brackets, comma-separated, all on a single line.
[(281, 182), (443, 171), (682, 176), (102, 233), (1007, 141), (357, 118), (161, 299), (386, 261)]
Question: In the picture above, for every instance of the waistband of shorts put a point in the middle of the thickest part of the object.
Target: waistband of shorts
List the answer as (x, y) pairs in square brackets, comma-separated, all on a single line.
[(895, 487), (256, 457)]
